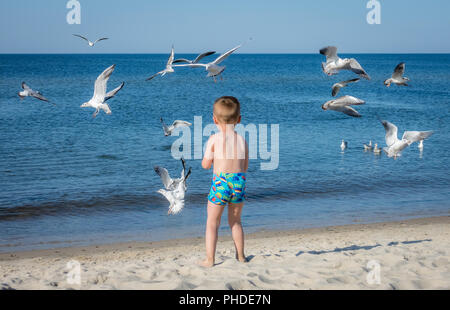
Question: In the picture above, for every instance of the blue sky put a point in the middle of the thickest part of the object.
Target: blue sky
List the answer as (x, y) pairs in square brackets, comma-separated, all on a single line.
[(289, 26)]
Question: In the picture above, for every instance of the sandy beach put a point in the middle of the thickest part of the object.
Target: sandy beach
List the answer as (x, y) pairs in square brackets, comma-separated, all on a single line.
[(411, 254)]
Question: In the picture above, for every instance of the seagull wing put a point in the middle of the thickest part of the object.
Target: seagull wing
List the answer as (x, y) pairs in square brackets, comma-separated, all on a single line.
[(398, 71), (114, 92), (171, 57), (181, 60), (345, 83), (348, 100), (336, 88), (192, 65), (25, 86), (155, 75), (225, 55), (37, 95), (356, 68), (179, 123), (101, 39), (350, 111), (77, 35), (201, 56), (101, 84), (391, 133), (330, 52), (416, 136), (164, 175)]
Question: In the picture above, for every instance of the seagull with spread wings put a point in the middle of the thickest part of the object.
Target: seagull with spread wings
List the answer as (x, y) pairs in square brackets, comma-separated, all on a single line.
[(334, 63), (397, 77), (91, 44), (176, 124), (168, 68), (337, 87), (28, 92), (343, 104), (100, 96)]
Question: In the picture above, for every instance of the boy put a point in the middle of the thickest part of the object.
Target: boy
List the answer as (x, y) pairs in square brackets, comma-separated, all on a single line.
[(228, 152)]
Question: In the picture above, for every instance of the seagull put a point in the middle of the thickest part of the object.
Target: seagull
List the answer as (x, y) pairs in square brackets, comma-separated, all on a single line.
[(91, 44), (169, 183), (368, 147), (176, 196), (343, 104), (376, 150), (420, 146), (396, 146), (337, 87), (213, 68), (397, 77), (334, 63), (168, 68), (196, 60), (176, 124), (343, 145), (28, 92), (100, 96)]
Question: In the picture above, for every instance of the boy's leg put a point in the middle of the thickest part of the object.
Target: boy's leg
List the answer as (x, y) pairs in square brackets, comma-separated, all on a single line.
[(212, 228), (234, 219)]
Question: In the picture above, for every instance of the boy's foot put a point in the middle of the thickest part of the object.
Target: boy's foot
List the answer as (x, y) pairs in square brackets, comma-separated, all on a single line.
[(242, 259), (206, 263)]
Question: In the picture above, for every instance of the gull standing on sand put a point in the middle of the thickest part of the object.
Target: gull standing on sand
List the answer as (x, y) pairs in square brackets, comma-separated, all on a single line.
[(213, 68), (175, 196), (343, 104), (169, 183), (368, 147), (176, 124), (344, 145), (168, 68), (100, 96), (334, 63), (397, 77), (91, 44), (337, 87), (196, 60), (396, 146), (28, 92)]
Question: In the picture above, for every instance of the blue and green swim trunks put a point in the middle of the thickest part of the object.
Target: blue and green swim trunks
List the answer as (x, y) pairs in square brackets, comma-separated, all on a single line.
[(227, 187)]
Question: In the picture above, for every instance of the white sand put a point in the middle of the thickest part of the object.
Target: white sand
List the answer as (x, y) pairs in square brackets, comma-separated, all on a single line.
[(411, 254)]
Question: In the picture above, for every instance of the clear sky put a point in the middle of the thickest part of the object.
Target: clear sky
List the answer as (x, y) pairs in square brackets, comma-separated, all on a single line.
[(282, 26)]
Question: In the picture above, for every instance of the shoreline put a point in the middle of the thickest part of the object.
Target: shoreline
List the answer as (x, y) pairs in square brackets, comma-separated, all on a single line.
[(412, 254)]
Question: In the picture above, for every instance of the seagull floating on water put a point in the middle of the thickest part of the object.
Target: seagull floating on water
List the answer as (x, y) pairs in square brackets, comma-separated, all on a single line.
[(368, 147), (213, 67), (343, 104), (175, 190), (396, 146), (91, 44), (397, 77), (196, 60), (376, 150), (337, 87), (176, 124), (100, 96), (168, 68), (28, 92), (335, 64), (344, 145)]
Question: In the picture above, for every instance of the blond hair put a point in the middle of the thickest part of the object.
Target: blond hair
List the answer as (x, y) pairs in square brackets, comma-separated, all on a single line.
[(227, 110)]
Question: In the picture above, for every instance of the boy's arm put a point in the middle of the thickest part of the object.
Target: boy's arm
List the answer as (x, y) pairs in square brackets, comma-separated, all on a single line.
[(209, 154)]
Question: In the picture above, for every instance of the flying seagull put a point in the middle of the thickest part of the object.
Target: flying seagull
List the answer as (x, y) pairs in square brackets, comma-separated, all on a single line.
[(28, 92), (100, 96), (169, 183), (335, 64), (91, 44), (213, 68), (176, 195), (196, 60), (394, 145), (343, 104), (168, 68), (397, 77), (337, 87), (168, 129)]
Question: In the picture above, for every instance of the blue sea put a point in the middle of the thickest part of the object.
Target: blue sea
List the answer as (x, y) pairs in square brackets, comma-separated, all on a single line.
[(67, 179)]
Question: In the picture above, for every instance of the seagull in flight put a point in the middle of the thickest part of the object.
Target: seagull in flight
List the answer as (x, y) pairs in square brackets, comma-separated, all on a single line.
[(213, 67), (91, 44), (176, 124), (196, 60), (343, 104), (28, 92), (168, 68), (175, 190), (394, 145), (335, 64), (397, 77), (337, 87), (100, 96)]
